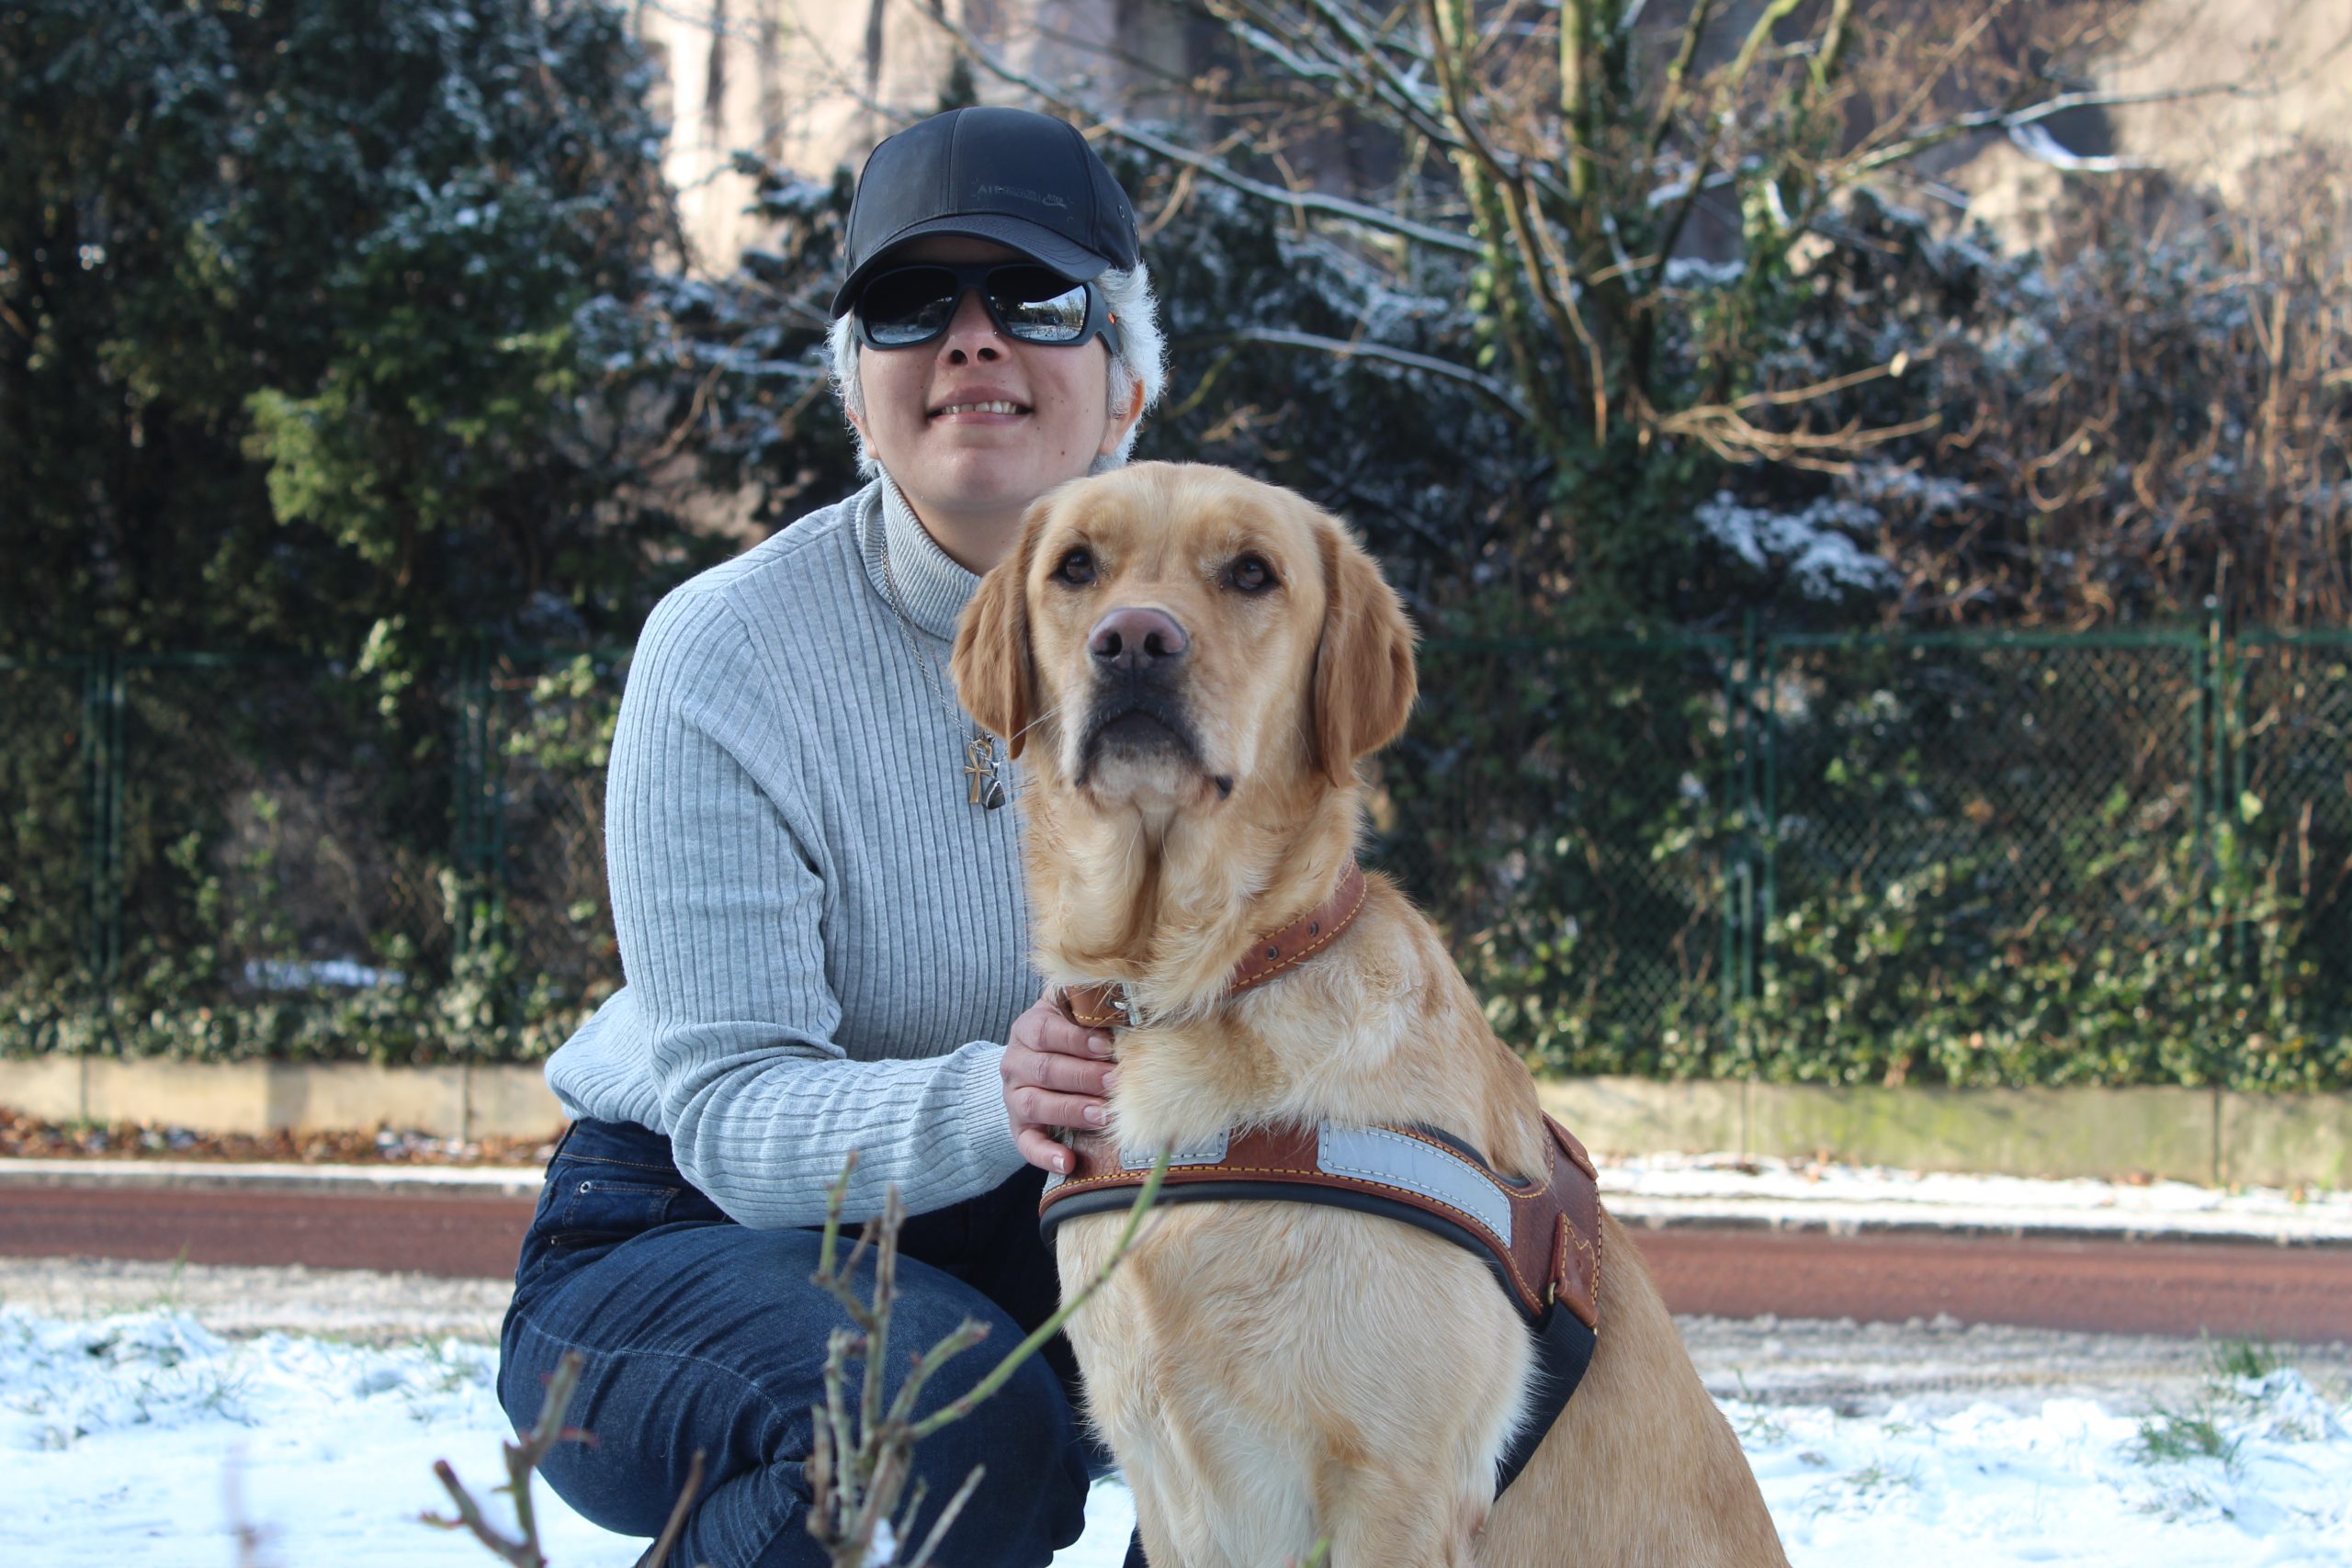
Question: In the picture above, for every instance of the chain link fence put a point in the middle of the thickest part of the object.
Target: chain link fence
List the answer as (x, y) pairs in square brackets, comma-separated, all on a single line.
[(1966, 859), (47, 860), (1969, 859), (2291, 785)]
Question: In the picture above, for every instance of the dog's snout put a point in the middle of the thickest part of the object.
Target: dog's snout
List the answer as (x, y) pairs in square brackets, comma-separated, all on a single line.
[(1136, 638)]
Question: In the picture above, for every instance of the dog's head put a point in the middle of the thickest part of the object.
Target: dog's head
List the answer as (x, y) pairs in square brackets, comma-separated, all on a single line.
[(1173, 634)]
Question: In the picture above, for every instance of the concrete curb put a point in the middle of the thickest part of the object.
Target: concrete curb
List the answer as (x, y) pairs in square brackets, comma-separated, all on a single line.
[(463, 1101), (2208, 1137)]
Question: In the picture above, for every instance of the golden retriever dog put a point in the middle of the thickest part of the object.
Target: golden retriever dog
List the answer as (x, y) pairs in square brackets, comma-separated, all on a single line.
[(1194, 663)]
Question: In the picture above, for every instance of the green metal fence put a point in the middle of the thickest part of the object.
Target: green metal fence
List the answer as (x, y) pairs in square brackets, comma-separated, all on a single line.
[(2117, 857), (2112, 857), (233, 855)]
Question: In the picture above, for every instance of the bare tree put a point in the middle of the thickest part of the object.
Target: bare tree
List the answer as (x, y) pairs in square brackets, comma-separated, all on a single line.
[(1644, 192)]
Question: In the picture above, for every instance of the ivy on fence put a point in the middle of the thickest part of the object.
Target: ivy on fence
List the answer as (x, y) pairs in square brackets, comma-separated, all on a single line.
[(1970, 859)]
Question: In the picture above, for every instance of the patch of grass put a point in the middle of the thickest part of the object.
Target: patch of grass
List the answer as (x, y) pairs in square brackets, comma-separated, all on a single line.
[(170, 1294), (1875, 1478), (2176, 1504), (1758, 1426), (2177, 1436), (1872, 1481), (2236, 1361), (2170, 1435)]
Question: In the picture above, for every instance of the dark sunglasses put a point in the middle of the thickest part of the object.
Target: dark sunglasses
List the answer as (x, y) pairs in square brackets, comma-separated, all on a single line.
[(910, 306)]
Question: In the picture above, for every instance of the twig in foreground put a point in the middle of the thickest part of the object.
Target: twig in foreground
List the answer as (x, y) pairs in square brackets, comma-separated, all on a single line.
[(862, 1463)]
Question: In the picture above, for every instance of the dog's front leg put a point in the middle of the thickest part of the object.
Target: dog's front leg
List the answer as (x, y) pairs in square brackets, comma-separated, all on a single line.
[(1392, 1521), (1157, 1524)]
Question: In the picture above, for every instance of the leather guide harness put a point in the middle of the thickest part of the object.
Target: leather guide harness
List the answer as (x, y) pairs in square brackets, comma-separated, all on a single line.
[(1539, 1238)]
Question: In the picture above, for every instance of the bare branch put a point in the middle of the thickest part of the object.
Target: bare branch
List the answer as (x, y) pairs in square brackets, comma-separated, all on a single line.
[(1485, 386), (861, 1462), (1793, 396), (1832, 54), (521, 1553), (1718, 114), (946, 1517), (1928, 84), (2013, 119), (1490, 183), (1730, 436), (1565, 287), (1261, 30), (1757, 37), (958, 1409), (1223, 173), (1670, 97), (660, 1551)]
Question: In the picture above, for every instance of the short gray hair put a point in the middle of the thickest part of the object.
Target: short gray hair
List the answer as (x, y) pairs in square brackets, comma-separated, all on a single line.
[(1139, 370)]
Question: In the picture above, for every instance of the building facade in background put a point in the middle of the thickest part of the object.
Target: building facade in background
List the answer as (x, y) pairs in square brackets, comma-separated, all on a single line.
[(813, 84)]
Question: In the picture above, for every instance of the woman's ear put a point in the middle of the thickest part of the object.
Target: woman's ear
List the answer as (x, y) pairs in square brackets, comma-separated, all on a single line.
[(1120, 419), (990, 665), (1364, 681)]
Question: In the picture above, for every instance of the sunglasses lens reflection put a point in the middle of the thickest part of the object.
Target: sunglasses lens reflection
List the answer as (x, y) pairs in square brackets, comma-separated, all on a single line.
[(1036, 305), (914, 305), (908, 306)]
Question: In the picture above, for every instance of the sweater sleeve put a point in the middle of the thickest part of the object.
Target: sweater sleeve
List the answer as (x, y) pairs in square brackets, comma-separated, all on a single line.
[(718, 894)]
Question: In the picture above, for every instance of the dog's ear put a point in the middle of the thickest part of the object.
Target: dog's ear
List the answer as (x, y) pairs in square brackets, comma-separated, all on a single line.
[(992, 666), (1364, 683)]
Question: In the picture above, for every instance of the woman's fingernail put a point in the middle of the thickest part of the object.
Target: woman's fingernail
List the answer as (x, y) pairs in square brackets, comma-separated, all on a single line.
[(1094, 1115), (1110, 1080), (1061, 1164), (1099, 1043)]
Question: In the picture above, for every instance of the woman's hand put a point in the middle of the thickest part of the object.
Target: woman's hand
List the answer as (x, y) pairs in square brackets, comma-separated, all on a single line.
[(1056, 1074)]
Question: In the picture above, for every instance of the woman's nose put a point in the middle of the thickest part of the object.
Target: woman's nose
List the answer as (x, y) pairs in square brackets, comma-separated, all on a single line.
[(971, 335)]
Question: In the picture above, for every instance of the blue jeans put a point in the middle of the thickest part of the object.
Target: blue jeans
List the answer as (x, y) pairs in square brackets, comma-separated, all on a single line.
[(700, 1334)]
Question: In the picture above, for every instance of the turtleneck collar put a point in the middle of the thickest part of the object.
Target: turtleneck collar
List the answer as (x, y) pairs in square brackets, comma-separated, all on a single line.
[(932, 586)]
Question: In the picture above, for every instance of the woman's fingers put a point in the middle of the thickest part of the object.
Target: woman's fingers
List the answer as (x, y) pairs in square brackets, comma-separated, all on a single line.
[(1055, 1091), (1040, 1150), (1056, 1075), (1043, 1028), (1036, 1107), (1064, 1074)]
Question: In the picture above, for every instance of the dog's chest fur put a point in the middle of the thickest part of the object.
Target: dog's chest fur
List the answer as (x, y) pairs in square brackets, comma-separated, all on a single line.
[(1268, 1357)]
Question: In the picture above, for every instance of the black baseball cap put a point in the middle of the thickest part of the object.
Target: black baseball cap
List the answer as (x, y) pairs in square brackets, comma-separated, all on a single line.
[(1022, 179)]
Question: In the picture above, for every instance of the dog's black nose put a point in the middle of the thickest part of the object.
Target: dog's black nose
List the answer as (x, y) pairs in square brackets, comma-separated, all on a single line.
[(1135, 638)]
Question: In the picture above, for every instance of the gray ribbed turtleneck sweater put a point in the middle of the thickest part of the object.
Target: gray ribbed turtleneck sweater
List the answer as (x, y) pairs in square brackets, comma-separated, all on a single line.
[(821, 939)]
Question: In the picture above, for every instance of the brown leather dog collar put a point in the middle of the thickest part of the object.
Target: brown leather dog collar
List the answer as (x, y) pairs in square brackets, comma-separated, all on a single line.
[(1107, 1005)]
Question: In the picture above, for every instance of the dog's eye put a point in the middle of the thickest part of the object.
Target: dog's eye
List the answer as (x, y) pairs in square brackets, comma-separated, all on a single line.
[(1250, 575), (1077, 568)]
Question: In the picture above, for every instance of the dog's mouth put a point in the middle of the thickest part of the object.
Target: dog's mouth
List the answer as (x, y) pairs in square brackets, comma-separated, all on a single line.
[(1135, 725)]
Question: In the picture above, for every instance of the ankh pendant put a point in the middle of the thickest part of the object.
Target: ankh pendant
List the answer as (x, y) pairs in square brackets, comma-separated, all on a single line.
[(986, 770)]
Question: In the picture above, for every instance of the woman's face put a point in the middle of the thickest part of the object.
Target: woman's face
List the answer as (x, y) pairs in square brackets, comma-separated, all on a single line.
[(957, 462)]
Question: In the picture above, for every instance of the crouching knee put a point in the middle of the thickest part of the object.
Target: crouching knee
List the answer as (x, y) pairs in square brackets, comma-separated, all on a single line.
[(1023, 1438)]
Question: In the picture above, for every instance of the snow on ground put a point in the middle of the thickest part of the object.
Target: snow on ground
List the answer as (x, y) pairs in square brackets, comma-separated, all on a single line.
[(1922, 1445), (1667, 1187)]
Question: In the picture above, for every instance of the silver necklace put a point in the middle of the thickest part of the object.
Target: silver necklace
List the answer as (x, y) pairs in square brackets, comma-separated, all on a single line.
[(989, 782)]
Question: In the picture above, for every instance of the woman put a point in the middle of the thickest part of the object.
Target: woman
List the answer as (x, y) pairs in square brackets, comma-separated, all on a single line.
[(820, 910)]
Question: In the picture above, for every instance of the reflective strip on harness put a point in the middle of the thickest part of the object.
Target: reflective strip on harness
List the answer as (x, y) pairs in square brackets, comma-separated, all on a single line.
[(1375, 1154)]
